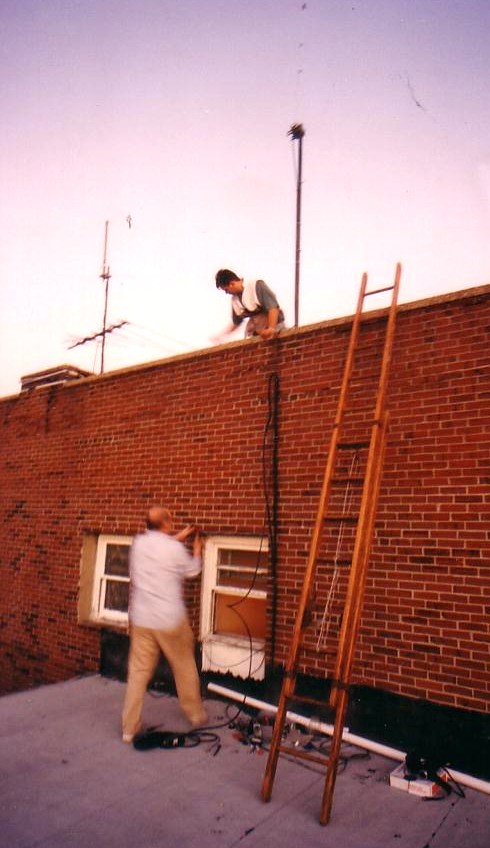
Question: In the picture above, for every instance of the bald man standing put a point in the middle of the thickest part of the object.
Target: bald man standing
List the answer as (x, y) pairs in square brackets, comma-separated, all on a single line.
[(158, 565)]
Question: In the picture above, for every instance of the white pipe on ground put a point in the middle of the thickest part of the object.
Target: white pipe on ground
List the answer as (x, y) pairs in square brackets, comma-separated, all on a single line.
[(351, 738)]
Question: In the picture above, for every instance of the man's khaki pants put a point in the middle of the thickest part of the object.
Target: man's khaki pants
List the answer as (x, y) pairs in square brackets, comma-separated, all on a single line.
[(145, 647)]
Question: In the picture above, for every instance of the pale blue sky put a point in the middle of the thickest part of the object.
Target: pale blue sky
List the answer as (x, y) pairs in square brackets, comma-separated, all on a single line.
[(177, 114)]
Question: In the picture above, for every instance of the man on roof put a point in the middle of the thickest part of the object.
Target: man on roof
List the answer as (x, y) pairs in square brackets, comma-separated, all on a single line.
[(254, 300)]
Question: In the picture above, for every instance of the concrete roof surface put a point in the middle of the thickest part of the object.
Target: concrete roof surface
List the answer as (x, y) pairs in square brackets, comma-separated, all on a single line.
[(67, 779)]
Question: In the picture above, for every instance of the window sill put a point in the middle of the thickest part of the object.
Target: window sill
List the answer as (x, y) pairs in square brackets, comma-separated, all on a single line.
[(105, 624)]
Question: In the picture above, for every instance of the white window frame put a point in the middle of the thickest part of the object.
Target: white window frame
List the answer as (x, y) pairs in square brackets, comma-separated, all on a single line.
[(221, 652), (99, 611)]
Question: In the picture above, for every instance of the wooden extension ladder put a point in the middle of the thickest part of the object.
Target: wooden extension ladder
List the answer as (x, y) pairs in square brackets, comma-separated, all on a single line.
[(355, 435)]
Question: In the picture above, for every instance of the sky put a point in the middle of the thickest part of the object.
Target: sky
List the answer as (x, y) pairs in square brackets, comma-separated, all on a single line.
[(170, 121)]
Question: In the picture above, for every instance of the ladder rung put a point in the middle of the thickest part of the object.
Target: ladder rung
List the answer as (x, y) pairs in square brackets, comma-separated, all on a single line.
[(353, 445), (377, 291), (356, 481), (303, 755), (350, 519), (332, 561), (316, 702)]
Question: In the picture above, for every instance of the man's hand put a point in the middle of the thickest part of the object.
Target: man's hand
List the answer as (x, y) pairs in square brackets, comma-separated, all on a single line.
[(272, 318), (197, 544), (184, 534), (268, 333), (222, 337)]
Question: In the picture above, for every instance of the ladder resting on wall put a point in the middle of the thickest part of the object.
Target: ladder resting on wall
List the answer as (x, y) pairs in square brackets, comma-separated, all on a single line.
[(347, 509)]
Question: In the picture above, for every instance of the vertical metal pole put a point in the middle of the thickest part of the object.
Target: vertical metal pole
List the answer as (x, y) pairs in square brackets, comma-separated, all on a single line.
[(106, 277), (297, 132)]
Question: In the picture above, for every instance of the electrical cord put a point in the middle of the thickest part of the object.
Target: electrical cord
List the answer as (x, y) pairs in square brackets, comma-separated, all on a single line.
[(153, 737), (271, 508)]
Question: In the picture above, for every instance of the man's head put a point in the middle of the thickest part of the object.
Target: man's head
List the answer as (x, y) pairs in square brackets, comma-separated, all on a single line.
[(159, 518), (228, 281)]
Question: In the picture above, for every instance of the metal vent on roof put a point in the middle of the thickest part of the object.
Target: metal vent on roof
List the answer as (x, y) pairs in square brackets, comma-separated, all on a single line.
[(52, 376)]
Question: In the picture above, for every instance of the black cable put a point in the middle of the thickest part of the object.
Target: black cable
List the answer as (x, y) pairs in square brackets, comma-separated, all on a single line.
[(447, 784), (271, 509), (455, 786), (154, 738)]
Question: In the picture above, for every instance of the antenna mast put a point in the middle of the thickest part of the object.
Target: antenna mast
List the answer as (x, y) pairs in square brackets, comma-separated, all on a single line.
[(106, 276), (297, 132)]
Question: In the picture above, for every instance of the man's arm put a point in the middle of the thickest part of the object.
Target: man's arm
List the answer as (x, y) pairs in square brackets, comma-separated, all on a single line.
[(217, 339), (236, 320), (269, 304), (272, 319), (183, 534), (192, 565), (197, 545)]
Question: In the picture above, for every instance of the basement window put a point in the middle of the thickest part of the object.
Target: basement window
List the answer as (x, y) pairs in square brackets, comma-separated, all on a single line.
[(111, 579), (234, 605)]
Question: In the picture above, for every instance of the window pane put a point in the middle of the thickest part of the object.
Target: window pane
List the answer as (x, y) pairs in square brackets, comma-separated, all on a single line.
[(229, 556), (242, 569), (116, 595), (242, 579), (231, 612), (117, 560)]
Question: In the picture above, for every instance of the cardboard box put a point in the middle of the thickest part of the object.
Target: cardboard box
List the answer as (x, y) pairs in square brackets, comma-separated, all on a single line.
[(421, 787)]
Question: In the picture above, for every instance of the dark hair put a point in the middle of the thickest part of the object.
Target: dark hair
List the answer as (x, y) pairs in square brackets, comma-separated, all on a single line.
[(224, 277)]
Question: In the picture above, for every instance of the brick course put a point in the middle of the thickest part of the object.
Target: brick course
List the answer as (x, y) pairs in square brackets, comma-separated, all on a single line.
[(88, 457)]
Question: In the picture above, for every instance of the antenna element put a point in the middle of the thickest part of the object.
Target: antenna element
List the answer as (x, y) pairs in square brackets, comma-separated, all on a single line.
[(106, 276)]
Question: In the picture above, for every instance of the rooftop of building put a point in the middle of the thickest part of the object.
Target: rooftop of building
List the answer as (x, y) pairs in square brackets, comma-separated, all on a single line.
[(70, 375), (67, 779)]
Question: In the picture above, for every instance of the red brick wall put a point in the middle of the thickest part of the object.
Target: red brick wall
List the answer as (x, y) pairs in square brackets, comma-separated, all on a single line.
[(90, 457)]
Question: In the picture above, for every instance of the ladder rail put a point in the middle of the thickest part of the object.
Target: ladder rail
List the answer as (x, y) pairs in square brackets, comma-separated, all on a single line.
[(370, 494), (359, 556), (388, 347), (361, 549), (351, 622)]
